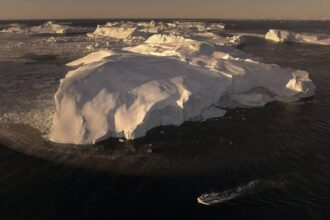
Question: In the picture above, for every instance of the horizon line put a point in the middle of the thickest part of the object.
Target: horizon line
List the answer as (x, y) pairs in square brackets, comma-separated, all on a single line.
[(139, 18)]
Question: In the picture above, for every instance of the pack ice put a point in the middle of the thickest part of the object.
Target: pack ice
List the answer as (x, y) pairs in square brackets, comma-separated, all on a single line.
[(166, 80), (289, 36)]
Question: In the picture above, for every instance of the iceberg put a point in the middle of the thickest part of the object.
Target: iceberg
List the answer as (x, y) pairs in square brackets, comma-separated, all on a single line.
[(46, 28), (215, 27), (124, 94), (113, 31), (289, 36), (193, 26), (15, 28), (236, 40), (125, 30), (171, 45), (166, 80)]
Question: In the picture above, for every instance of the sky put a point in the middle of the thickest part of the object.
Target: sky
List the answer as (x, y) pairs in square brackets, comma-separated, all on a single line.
[(237, 9)]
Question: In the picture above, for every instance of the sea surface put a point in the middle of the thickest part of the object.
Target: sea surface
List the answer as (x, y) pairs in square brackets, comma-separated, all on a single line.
[(286, 145)]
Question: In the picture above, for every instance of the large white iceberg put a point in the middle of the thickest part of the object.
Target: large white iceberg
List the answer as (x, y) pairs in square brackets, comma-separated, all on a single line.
[(215, 27), (165, 81), (125, 95), (289, 36)]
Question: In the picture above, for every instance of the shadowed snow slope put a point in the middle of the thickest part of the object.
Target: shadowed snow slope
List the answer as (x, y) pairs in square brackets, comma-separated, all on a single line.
[(125, 94), (288, 36)]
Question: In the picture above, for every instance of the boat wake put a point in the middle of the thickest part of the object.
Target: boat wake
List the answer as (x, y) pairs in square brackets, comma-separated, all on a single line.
[(251, 187)]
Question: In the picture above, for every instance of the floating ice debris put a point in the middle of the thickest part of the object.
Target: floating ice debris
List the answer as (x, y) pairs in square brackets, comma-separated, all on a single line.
[(289, 36), (121, 140)]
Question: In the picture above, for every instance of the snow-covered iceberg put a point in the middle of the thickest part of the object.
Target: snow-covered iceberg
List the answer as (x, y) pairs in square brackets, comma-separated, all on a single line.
[(125, 95), (171, 45), (113, 31), (289, 36), (165, 81), (125, 30)]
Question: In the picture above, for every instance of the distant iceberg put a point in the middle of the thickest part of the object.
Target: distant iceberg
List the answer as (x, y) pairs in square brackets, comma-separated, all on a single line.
[(215, 27), (15, 28), (46, 28), (57, 28), (166, 80), (289, 36), (129, 30), (236, 40), (113, 31)]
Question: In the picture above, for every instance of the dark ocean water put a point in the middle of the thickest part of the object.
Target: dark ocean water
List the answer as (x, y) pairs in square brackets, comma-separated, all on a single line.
[(285, 143)]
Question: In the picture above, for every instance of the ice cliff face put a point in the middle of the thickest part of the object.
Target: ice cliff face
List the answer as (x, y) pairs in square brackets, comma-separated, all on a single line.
[(166, 80), (289, 36)]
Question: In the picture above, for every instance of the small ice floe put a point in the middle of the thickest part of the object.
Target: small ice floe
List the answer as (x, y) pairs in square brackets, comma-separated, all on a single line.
[(121, 140), (227, 195)]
